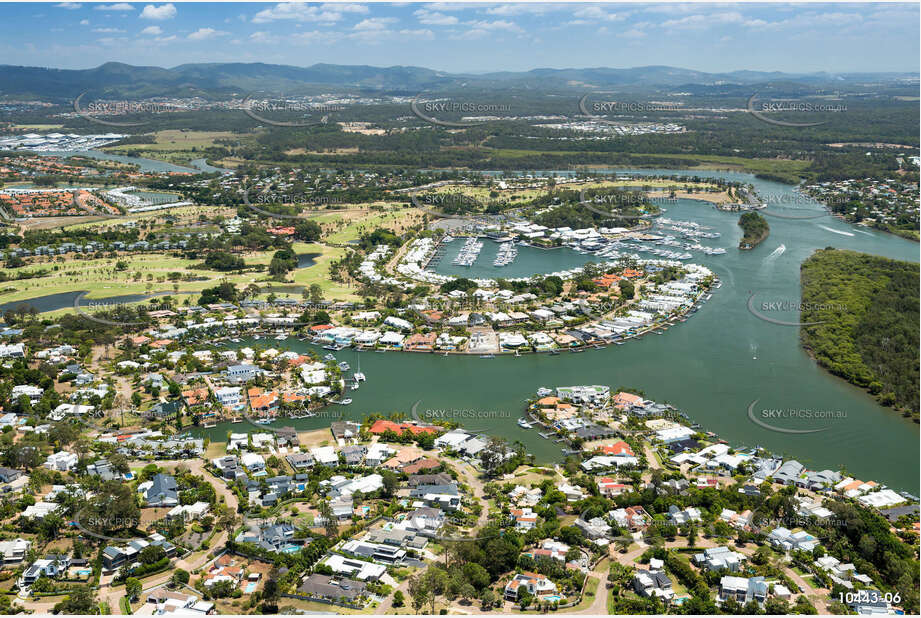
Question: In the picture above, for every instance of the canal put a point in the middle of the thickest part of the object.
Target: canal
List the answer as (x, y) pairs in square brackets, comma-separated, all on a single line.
[(712, 367)]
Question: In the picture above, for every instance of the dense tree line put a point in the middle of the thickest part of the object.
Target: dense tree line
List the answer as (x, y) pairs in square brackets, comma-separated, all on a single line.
[(869, 309)]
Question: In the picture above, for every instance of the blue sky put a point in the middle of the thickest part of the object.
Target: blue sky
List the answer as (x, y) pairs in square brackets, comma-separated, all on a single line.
[(467, 37)]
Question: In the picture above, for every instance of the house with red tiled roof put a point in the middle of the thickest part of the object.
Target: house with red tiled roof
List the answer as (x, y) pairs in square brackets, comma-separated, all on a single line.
[(263, 402), (625, 401), (606, 281), (422, 465), (534, 583), (406, 456), (610, 487), (525, 519), (382, 426), (195, 396), (420, 342), (618, 449)]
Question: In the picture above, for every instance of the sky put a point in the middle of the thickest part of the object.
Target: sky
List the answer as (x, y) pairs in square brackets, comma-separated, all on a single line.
[(469, 37)]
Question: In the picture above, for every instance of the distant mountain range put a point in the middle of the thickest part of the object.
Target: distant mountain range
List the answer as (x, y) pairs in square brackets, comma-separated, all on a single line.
[(224, 79)]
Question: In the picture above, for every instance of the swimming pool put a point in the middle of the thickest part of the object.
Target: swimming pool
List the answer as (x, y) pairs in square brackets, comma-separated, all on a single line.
[(250, 587), (553, 598)]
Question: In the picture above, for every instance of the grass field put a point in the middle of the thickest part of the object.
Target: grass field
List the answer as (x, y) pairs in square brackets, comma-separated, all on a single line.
[(38, 127), (178, 140), (177, 146), (148, 273)]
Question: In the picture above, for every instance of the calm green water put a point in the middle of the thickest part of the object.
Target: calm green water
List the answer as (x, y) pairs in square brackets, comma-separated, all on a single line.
[(530, 261), (712, 367)]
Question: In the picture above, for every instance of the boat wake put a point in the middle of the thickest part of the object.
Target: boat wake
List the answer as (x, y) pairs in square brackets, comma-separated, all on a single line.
[(828, 229), (777, 252), (863, 232)]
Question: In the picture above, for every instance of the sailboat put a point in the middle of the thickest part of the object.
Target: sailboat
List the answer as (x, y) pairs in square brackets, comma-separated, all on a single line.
[(358, 375)]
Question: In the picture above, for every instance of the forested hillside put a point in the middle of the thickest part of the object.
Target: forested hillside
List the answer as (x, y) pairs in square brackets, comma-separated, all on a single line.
[(869, 335)]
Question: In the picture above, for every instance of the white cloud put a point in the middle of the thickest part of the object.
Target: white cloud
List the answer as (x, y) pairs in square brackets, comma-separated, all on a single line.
[(152, 31), (71, 6), (345, 8), (262, 37), (424, 33), (446, 7), (299, 12), (500, 24), (375, 23), (84, 22), (699, 21), (121, 6), (510, 10), (596, 14), (434, 18), (159, 13), (108, 30), (472, 34), (633, 33), (203, 34), (317, 36)]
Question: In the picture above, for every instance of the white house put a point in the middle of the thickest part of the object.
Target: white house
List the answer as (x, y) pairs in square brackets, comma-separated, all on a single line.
[(62, 461)]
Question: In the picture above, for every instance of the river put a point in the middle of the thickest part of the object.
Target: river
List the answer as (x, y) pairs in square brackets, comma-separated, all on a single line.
[(712, 367)]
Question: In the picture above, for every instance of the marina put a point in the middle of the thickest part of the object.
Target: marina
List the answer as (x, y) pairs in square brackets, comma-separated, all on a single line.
[(469, 252), (714, 345)]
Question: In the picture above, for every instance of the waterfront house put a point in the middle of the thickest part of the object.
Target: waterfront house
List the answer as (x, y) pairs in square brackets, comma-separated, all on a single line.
[(789, 473)]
